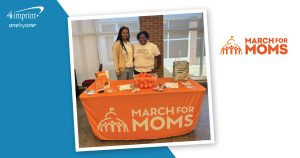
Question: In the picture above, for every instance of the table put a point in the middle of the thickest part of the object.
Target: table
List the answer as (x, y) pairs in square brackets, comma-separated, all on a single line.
[(122, 115)]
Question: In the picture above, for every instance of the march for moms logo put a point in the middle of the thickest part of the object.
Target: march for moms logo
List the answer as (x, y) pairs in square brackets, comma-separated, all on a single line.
[(22, 16), (146, 119), (111, 123), (231, 47), (260, 46)]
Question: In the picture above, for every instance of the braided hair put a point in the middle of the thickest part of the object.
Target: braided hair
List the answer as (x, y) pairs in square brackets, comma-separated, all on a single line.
[(120, 37)]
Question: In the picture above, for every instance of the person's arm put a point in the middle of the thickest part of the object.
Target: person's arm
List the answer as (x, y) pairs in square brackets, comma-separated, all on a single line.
[(116, 58)]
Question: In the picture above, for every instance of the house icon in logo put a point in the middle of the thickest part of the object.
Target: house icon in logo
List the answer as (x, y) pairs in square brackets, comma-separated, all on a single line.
[(231, 47), (111, 123)]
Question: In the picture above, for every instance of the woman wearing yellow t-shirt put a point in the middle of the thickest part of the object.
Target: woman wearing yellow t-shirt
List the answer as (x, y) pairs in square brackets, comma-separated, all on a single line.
[(145, 55)]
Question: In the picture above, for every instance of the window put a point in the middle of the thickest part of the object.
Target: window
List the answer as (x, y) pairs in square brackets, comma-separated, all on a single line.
[(107, 28), (184, 40)]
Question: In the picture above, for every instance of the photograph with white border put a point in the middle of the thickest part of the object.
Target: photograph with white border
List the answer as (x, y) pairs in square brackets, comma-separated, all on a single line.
[(179, 37)]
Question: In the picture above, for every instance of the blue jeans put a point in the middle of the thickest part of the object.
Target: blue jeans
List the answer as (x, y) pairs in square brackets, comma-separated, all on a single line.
[(127, 74)]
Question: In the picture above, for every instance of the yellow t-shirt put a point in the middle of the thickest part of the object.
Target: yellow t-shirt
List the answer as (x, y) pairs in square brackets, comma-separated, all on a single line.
[(144, 56)]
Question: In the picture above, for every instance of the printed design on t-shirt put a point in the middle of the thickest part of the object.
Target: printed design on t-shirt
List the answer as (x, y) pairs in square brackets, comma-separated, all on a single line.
[(111, 123), (142, 51)]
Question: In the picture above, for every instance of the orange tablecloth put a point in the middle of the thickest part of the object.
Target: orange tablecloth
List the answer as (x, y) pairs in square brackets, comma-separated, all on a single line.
[(122, 115)]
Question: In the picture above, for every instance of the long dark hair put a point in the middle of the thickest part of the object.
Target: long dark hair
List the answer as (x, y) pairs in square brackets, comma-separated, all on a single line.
[(120, 37)]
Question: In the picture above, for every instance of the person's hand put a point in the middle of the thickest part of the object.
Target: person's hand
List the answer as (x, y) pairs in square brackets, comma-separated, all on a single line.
[(118, 73)]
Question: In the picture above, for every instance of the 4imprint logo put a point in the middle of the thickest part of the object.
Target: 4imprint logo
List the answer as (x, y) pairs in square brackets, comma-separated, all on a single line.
[(257, 46), (25, 14), (24, 18)]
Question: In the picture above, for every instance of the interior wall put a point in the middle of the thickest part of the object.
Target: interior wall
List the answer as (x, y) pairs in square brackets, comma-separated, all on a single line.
[(85, 49)]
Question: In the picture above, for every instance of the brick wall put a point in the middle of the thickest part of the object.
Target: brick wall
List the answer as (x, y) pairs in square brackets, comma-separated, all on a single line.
[(154, 26)]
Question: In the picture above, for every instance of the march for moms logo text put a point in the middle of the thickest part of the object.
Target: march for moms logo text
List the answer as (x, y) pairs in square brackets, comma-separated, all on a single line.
[(162, 117), (145, 119), (266, 46)]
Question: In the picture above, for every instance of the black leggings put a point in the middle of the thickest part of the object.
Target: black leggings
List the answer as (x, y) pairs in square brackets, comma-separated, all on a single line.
[(136, 72)]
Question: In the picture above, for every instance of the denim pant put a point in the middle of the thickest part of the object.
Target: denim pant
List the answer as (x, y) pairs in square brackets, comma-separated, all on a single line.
[(127, 74)]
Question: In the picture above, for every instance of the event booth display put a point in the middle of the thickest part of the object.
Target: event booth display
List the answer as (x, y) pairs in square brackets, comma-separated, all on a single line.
[(146, 107)]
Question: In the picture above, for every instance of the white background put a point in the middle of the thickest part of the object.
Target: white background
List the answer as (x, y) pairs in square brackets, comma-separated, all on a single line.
[(255, 97)]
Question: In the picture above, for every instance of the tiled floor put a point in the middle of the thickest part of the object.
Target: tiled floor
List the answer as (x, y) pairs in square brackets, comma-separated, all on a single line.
[(87, 138)]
